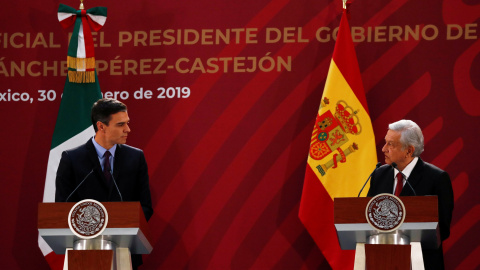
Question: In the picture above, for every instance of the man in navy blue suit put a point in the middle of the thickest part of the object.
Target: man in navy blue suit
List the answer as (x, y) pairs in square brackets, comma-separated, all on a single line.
[(403, 145), (110, 169)]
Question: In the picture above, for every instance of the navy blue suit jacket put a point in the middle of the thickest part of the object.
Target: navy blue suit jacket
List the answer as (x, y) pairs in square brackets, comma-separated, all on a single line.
[(129, 171)]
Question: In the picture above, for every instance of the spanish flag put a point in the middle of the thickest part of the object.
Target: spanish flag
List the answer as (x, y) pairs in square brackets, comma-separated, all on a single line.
[(342, 150)]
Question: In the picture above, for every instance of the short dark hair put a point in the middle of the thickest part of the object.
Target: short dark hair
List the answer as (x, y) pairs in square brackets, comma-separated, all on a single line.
[(103, 109)]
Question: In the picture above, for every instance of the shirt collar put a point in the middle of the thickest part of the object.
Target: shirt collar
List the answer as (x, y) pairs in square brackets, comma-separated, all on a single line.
[(101, 151), (408, 170)]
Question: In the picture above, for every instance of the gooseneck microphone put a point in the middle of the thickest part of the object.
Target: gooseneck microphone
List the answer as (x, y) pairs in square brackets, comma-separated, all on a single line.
[(376, 167), (85, 178), (115, 182), (394, 165)]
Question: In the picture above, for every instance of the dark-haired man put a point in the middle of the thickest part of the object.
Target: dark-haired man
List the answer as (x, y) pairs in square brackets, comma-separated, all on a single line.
[(403, 145), (110, 169)]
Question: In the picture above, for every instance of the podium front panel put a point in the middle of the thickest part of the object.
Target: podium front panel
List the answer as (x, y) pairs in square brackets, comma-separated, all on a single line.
[(126, 227), (420, 225)]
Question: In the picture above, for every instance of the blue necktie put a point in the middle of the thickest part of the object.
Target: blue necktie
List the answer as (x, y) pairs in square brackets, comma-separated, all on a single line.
[(106, 167)]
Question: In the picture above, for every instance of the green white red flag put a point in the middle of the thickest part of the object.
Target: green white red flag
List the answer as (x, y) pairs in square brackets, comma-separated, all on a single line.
[(73, 126), (81, 56)]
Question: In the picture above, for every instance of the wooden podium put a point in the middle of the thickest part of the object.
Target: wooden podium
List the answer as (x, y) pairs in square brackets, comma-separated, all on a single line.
[(126, 232), (400, 249)]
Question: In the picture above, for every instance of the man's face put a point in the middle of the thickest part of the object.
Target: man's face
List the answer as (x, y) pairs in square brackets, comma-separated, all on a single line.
[(117, 130), (393, 150)]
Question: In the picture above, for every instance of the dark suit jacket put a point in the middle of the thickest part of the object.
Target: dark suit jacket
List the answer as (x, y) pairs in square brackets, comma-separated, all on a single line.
[(129, 171), (426, 179)]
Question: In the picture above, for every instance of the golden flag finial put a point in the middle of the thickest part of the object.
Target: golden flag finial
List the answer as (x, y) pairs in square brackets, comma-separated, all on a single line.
[(344, 4), (81, 5)]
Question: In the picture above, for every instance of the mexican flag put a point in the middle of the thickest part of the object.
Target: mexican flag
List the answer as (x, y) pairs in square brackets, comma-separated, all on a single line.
[(73, 126), (342, 151)]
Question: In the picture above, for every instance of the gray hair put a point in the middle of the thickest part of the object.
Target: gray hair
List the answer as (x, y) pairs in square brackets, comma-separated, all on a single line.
[(411, 134)]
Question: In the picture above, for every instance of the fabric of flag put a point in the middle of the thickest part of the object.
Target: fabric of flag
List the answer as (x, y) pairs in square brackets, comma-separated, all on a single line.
[(81, 56), (342, 151), (73, 128)]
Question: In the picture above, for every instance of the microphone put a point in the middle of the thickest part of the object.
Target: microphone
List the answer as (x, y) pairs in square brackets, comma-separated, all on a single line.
[(376, 167), (394, 165), (115, 182), (85, 178)]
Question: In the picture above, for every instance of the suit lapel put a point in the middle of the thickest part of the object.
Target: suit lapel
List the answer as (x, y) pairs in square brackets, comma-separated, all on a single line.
[(93, 156), (389, 184), (117, 163), (117, 167), (386, 186), (414, 179)]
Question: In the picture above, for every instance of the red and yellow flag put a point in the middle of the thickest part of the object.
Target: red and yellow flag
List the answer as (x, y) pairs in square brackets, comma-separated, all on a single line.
[(342, 150)]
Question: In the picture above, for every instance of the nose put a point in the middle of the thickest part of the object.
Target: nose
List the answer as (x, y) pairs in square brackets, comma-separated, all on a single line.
[(127, 129), (384, 148)]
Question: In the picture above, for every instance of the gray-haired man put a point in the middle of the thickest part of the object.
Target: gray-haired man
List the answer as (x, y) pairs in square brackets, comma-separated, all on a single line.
[(403, 146)]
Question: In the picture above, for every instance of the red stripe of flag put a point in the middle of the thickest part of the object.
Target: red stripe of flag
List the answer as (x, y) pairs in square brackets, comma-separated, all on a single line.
[(343, 54), (316, 206)]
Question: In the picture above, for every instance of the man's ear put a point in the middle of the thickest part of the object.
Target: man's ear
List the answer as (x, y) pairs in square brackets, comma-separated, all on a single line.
[(100, 126), (410, 150)]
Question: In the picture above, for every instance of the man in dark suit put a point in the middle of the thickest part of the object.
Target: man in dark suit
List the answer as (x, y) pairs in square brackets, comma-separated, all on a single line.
[(403, 145), (110, 169)]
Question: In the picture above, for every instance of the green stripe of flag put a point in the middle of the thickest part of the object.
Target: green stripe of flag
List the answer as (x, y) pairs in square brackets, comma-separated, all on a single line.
[(74, 113)]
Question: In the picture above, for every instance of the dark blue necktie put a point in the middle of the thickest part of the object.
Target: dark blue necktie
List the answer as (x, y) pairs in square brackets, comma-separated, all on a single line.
[(106, 167)]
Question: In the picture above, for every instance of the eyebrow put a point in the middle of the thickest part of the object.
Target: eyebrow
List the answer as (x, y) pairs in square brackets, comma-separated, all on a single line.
[(392, 142), (122, 122)]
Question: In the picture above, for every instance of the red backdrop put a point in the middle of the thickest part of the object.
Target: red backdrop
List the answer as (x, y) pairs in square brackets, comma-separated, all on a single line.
[(227, 162)]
